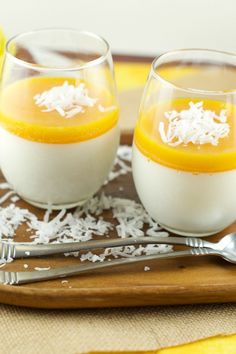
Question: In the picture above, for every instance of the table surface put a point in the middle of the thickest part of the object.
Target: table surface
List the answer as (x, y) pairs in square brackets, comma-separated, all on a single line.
[(78, 331)]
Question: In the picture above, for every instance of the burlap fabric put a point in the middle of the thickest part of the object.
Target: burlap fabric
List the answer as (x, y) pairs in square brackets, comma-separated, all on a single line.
[(27, 331)]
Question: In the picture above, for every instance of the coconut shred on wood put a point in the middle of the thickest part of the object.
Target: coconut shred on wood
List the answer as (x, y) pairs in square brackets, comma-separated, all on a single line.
[(87, 221), (194, 125)]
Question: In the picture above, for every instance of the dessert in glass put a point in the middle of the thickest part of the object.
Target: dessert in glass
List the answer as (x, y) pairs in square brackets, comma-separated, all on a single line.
[(184, 148), (58, 116)]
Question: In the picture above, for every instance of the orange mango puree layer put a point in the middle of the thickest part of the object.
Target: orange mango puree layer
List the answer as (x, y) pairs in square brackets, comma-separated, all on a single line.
[(21, 116), (192, 157)]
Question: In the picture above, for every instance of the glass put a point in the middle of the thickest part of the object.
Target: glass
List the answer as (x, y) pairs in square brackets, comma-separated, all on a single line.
[(184, 149), (58, 116)]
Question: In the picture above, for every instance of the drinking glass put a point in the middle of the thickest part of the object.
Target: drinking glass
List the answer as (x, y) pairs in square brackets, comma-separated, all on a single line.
[(184, 148), (59, 128)]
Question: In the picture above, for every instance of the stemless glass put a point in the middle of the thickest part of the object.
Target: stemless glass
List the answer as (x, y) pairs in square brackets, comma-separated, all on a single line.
[(184, 149), (58, 116)]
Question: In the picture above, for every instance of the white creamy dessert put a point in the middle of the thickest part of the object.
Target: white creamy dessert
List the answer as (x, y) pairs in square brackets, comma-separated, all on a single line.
[(58, 174), (58, 139), (185, 202), (187, 185)]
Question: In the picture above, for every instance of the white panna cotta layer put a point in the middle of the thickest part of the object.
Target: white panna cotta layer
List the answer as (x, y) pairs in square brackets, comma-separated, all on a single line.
[(184, 202), (62, 175)]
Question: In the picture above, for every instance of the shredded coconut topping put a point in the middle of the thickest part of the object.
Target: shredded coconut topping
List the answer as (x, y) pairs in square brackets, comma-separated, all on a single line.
[(129, 219), (67, 99), (106, 109), (194, 125)]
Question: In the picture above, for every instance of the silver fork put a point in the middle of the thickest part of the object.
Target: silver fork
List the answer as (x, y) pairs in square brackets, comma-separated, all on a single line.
[(16, 278), (13, 250), (225, 248)]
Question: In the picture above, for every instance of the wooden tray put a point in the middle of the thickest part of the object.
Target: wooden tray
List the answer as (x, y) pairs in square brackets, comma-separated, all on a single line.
[(177, 281)]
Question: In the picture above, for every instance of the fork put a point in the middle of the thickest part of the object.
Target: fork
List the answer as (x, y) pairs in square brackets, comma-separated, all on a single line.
[(17, 278), (225, 248), (14, 250)]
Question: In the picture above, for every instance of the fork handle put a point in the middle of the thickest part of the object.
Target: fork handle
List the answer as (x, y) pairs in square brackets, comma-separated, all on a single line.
[(28, 249), (36, 276)]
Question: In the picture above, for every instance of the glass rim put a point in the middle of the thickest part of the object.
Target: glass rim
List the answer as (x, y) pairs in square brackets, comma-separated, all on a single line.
[(39, 67), (157, 76)]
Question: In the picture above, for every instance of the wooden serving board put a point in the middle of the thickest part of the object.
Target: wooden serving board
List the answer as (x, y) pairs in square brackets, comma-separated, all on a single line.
[(176, 281)]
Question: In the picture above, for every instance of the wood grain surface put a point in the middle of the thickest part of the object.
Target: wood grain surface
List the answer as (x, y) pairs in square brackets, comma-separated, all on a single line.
[(176, 281)]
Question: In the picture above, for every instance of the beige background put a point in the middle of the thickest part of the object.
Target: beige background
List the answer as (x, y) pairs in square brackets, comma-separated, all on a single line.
[(77, 331), (132, 26)]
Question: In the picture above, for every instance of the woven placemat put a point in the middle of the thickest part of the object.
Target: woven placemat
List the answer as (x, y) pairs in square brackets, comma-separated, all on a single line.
[(78, 331)]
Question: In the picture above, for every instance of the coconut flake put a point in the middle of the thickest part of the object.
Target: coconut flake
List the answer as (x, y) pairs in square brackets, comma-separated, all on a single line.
[(194, 125), (125, 153), (15, 199), (106, 109), (67, 99), (40, 269), (11, 218), (122, 164)]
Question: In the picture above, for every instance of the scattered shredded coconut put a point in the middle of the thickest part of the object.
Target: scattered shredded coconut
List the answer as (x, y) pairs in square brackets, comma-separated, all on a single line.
[(194, 125), (129, 219), (64, 281), (47, 213), (46, 231), (26, 266), (125, 153), (11, 218), (15, 199), (67, 99), (122, 163), (146, 269), (42, 269)]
